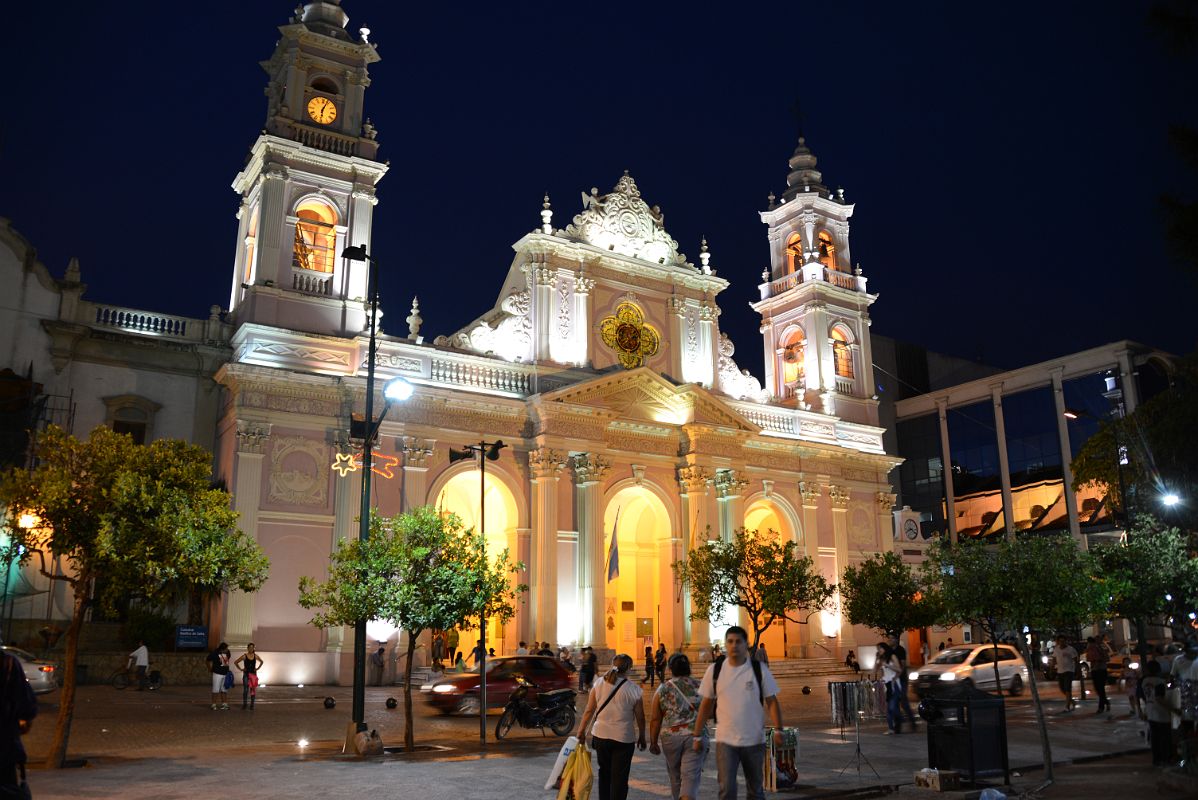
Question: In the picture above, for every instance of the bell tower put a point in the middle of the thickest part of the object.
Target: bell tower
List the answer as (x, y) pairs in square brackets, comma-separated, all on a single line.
[(308, 187), (814, 306)]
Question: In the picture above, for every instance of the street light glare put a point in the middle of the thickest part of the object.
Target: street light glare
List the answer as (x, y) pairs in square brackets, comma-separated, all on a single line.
[(1170, 499), (398, 390)]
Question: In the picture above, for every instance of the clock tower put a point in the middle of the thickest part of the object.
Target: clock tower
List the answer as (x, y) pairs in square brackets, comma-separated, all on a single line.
[(308, 187), (814, 306)]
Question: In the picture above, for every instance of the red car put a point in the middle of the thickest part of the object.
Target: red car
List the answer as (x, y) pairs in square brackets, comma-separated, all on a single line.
[(458, 691)]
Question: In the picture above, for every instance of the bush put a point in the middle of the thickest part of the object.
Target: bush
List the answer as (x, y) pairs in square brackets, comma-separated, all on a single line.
[(150, 625)]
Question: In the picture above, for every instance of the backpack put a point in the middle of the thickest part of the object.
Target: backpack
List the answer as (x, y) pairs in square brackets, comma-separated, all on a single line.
[(715, 681)]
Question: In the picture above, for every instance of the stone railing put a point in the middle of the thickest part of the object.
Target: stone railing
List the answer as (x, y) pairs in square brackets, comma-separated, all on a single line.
[(846, 386), (328, 141), (842, 280), (798, 424), (312, 284), (493, 377), (153, 324)]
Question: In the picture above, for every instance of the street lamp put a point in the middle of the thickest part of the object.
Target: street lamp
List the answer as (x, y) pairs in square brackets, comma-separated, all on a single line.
[(482, 452), (396, 389), (1170, 500)]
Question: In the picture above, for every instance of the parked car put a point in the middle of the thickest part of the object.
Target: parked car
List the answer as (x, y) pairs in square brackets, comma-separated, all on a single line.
[(43, 676), (971, 665), (458, 692)]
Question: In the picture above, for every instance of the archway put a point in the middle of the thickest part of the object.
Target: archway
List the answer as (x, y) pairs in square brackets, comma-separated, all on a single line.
[(640, 601), (764, 515), (460, 495)]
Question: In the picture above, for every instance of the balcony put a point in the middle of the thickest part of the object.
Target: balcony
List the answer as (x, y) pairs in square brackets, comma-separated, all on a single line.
[(813, 273)]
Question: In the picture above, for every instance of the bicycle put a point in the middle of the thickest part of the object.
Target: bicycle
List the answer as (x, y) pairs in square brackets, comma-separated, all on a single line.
[(122, 678)]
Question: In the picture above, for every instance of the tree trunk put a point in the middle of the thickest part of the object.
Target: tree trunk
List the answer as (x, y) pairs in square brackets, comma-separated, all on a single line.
[(409, 737), (66, 703), (1045, 746)]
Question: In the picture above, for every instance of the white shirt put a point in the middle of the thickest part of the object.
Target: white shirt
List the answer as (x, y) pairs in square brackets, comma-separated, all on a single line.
[(617, 720), (1066, 659), (141, 656), (521, 651), (740, 714)]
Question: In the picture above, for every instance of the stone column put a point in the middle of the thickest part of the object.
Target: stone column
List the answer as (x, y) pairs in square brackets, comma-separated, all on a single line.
[(347, 505), (544, 466), (946, 459), (1058, 398), (886, 529), (679, 351), (810, 492), (839, 495), (252, 439), (589, 473), (1004, 464), (275, 234), (540, 279), (696, 519), (730, 489), (414, 486), (582, 318)]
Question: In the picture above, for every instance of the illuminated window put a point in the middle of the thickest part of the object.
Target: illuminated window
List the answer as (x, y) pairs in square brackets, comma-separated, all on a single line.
[(827, 250), (794, 253), (315, 237), (841, 354), (251, 246), (794, 358)]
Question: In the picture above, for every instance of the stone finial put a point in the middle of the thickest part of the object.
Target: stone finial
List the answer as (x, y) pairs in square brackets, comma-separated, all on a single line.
[(704, 256), (72, 275), (840, 194), (414, 320), (368, 130), (772, 202), (765, 276), (546, 216)]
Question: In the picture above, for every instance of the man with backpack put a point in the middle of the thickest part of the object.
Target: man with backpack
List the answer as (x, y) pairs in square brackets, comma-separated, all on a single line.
[(744, 690)]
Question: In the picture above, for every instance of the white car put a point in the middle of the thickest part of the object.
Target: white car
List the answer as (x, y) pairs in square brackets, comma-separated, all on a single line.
[(972, 665), (43, 676)]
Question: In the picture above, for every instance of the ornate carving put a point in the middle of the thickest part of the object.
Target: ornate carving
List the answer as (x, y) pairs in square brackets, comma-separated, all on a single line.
[(886, 501), (862, 528), (510, 335), (416, 452), (708, 312), (252, 436), (732, 380), (317, 355), (851, 474), (728, 483), (293, 403), (564, 308), (546, 463), (692, 336), (299, 471), (583, 284), (627, 333), (623, 223), (810, 491), (693, 479), (839, 495), (589, 468)]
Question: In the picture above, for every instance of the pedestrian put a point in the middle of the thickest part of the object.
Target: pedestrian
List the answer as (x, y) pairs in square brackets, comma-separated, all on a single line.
[(1098, 657), (451, 645), (586, 670), (1159, 713), (378, 665), (660, 658), (851, 662), (438, 650), (1066, 664), (18, 707), (249, 663), (904, 677), (671, 726), (888, 669), (522, 650), (715, 652), (545, 650), (1179, 678), (218, 664), (745, 690), (648, 667), (613, 707), (140, 658), (479, 653), (761, 655), (925, 652), (460, 664)]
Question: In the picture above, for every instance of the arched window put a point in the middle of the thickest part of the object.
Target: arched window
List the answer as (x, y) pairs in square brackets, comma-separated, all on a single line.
[(315, 237), (794, 253), (324, 85), (794, 358), (841, 353), (827, 250)]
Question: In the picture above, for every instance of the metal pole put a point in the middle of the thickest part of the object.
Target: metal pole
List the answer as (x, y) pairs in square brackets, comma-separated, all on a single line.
[(359, 698), (482, 617)]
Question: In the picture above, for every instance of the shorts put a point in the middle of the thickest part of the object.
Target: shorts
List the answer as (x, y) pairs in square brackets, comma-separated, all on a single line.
[(218, 683), (1065, 681)]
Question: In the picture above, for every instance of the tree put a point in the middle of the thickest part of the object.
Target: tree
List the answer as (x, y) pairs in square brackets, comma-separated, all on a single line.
[(418, 571), (885, 594), (757, 572), (1149, 575), (1032, 583), (128, 520)]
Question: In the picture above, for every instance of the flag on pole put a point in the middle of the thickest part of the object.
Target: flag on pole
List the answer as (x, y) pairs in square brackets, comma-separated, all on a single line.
[(613, 552)]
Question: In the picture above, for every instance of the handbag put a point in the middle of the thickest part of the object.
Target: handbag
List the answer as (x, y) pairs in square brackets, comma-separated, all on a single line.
[(228, 684)]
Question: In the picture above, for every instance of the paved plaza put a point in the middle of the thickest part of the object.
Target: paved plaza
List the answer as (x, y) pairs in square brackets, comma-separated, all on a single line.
[(170, 744)]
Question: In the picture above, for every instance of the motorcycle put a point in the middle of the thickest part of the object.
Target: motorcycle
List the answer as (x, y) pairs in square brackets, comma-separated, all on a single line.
[(553, 710)]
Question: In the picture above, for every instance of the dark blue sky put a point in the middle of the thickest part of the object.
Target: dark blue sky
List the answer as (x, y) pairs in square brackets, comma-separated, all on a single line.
[(1006, 160)]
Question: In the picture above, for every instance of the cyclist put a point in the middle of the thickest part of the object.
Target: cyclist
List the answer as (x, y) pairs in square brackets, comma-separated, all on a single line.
[(140, 658)]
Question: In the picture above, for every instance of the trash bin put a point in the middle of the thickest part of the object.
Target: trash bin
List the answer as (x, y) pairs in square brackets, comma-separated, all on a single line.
[(967, 732)]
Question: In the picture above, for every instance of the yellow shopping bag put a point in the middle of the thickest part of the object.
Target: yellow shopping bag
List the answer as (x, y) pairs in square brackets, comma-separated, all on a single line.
[(577, 776)]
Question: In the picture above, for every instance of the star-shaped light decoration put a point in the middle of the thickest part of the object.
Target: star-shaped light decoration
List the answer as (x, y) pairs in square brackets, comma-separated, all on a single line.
[(381, 465), (345, 464), (630, 336)]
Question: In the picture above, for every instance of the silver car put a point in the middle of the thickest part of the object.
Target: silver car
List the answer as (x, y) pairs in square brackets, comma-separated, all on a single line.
[(43, 676), (971, 665)]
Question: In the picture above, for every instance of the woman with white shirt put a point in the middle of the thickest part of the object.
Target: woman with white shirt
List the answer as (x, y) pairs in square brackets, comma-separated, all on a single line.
[(890, 669), (614, 704)]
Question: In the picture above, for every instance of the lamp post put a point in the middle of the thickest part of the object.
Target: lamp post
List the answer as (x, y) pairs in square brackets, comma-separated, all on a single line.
[(397, 389), (482, 452)]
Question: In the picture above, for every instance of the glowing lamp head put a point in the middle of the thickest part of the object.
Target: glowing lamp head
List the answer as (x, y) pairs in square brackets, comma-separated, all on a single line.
[(29, 521), (1170, 500), (397, 390)]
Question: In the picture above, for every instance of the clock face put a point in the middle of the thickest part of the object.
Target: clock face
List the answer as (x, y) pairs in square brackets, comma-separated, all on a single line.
[(322, 110), (911, 529)]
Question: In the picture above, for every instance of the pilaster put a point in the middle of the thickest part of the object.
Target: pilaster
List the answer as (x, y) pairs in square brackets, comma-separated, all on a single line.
[(590, 471), (885, 506), (696, 519), (839, 497), (347, 504), (252, 438), (414, 484), (544, 467), (730, 490)]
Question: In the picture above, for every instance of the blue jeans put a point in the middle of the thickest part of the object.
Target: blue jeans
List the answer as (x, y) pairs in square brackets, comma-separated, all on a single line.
[(894, 719), (750, 759)]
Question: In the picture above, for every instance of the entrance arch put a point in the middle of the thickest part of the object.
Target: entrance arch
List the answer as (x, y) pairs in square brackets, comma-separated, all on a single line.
[(459, 494), (765, 514), (642, 602)]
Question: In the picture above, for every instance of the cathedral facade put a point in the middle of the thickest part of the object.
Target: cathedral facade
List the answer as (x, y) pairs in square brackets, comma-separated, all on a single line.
[(601, 366)]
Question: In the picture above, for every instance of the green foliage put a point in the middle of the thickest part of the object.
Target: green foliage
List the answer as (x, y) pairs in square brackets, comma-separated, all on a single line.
[(885, 594), (761, 574), (149, 625), (1142, 573)]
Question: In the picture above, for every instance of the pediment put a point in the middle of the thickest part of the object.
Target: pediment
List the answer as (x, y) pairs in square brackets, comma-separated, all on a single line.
[(644, 395)]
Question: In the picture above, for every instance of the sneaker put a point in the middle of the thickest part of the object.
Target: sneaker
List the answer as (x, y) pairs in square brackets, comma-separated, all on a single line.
[(224, 707), (214, 706)]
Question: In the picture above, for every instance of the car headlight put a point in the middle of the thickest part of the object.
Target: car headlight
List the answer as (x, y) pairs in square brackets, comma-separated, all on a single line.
[(444, 688), (948, 676), (1134, 666), (914, 676)]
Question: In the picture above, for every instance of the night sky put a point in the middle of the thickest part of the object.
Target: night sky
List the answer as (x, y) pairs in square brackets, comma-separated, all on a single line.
[(1006, 160)]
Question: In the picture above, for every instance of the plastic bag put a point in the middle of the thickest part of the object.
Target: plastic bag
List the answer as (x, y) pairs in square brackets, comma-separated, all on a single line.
[(555, 774), (577, 776)]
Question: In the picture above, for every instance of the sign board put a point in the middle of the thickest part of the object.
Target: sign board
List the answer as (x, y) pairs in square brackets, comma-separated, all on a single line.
[(644, 626), (191, 636)]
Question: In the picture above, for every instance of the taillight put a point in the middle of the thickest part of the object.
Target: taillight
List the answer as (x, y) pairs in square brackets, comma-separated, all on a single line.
[(47, 668)]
